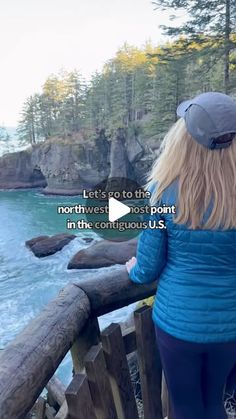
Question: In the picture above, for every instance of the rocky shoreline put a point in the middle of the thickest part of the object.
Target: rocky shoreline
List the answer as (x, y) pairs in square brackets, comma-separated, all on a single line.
[(99, 254), (66, 166)]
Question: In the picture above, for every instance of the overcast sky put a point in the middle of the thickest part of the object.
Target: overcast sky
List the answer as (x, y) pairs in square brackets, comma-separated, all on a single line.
[(40, 37)]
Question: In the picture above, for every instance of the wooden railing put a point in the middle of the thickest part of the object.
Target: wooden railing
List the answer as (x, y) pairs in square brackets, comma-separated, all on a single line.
[(101, 386)]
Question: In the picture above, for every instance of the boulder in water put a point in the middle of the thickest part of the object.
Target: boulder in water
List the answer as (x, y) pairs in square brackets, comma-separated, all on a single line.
[(43, 246), (103, 253)]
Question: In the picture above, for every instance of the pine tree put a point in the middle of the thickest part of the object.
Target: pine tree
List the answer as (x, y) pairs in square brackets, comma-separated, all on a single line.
[(28, 127), (210, 24)]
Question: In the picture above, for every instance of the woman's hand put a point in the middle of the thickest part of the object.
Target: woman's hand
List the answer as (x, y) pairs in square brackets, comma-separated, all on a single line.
[(130, 263)]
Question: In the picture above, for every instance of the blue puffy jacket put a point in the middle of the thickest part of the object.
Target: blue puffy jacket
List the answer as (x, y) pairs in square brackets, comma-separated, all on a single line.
[(196, 272)]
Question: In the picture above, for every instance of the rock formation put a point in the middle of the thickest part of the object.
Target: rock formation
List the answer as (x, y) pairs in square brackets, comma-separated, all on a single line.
[(103, 253), (18, 171), (43, 246), (67, 166)]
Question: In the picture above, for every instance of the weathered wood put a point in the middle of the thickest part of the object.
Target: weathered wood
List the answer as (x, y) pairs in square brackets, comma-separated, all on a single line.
[(27, 364), (63, 412), (109, 291), (40, 408), (118, 370), (78, 397), (50, 412), (99, 384), (56, 389), (150, 368), (89, 336), (129, 339)]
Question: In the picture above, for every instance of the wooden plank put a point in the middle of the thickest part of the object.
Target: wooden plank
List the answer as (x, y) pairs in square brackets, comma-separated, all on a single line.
[(108, 291), (149, 363), (89, 336), (28, 363), (56, 390), (78, 397), (118, 370), (50, 412), (129, 339), (63, 412), (40, 408), (99, 384)]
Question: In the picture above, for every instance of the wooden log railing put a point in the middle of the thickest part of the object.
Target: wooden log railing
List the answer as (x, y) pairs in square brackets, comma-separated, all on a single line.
[(69, 322)]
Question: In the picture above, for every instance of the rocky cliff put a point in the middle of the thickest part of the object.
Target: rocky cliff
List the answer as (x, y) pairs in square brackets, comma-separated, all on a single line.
[(67, 166)]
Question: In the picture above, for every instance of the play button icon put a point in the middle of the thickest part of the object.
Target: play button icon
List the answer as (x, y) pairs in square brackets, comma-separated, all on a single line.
[(112, 214), (117, 209)]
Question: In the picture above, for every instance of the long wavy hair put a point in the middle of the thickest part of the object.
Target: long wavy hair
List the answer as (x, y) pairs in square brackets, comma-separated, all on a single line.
[(205, 177)]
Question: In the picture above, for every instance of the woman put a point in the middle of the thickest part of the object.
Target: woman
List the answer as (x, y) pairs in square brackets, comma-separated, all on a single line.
[(194, 257)]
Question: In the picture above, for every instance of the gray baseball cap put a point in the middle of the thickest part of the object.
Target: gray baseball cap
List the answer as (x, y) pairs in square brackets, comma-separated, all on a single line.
[(209, 116)]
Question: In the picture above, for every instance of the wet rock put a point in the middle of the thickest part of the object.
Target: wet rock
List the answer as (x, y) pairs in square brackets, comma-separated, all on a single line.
[(32, 242), (44, 246), (87, 239), (103, 253)]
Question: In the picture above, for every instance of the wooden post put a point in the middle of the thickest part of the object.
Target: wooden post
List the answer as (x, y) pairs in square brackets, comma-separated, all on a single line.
[(89, 336), (40, 408), (28, 363), (56, 390), (118, 370), (129, 339), (50, 412), (108, 291), (99, 384), (62, 412), (149, 363), (78, 397), (31, 359)]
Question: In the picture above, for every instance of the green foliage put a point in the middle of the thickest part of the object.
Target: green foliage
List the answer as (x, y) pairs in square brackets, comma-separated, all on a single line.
[(139, 90), (216, 19), (4, 136), (4, 140)]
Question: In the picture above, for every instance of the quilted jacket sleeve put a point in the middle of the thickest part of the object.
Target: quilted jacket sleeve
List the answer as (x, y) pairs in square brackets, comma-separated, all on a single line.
[(151, 254)]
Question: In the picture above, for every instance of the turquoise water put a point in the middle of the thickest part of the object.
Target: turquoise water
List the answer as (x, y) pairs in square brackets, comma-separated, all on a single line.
[(27, 283)]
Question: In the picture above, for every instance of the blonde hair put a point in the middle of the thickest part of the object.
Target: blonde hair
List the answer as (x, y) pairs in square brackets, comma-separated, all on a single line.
[(204, 176)]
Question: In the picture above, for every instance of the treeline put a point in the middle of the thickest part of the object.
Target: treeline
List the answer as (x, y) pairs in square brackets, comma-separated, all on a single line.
[(140, 88), (4, 135)]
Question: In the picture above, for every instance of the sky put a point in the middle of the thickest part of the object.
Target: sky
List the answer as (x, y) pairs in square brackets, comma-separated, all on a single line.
[(41, 37)]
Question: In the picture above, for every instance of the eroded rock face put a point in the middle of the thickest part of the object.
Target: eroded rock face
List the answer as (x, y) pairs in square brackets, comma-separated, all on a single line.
[(103, 253), (67, 166), (70, 167), (43, 246), (18, 171)]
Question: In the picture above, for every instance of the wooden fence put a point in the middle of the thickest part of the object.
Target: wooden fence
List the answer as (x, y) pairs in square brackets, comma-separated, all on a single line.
[(101, 386)]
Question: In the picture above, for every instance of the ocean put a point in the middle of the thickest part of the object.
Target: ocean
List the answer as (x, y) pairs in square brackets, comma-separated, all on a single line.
[(27, 283)]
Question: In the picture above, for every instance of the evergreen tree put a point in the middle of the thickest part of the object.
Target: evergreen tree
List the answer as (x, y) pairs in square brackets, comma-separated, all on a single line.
[(4, 140), (28, 126), (216, 19), (139, 90)]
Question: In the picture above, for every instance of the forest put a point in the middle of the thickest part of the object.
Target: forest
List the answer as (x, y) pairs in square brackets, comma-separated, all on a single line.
[(140, 88)]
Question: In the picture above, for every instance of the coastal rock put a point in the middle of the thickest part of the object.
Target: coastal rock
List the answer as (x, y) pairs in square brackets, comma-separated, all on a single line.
[(103, 253), (66, 166), (43, 246), (30, 243), (87, 239), (18, 171), (71, 166)]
